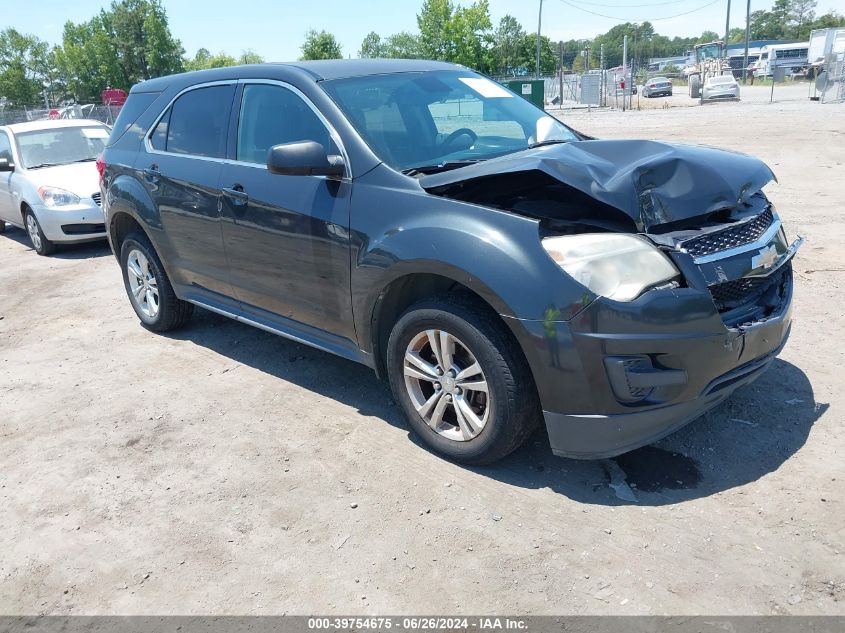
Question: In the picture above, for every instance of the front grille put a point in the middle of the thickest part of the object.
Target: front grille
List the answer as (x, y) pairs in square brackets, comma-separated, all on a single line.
[(98, 198), (731, 237), (739, 292)]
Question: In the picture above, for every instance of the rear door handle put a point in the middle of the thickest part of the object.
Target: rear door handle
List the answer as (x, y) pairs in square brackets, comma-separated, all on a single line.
[(152, 173), (237, 194)]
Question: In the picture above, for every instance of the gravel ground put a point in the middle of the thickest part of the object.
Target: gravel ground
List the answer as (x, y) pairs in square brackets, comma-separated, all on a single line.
[(224, 470)]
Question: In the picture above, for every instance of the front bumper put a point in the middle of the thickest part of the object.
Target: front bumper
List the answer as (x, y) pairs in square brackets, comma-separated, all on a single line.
[(81, 222), (683, 356)]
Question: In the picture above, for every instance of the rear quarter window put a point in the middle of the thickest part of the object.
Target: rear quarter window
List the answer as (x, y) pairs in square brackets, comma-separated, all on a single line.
[(135, 106)]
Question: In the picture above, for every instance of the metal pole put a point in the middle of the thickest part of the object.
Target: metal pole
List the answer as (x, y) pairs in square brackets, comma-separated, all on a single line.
[(539, 24), (603, 97), (624, 68), (727, 26), (560, 54), (747, 35)]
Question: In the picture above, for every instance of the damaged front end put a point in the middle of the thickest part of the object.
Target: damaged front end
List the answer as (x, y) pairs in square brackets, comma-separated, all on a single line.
[(645, 362), (702, 206)]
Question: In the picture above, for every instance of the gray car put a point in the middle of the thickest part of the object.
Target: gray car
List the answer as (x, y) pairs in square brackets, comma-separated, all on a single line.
[(720, 88), (657, 87), (499, 268), (49, 183)]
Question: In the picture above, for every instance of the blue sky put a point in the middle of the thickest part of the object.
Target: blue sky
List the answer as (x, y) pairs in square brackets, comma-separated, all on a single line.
[(275, 28)]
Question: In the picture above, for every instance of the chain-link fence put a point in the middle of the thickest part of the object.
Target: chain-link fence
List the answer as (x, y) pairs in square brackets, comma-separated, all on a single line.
[(830, 84), (104, 113)]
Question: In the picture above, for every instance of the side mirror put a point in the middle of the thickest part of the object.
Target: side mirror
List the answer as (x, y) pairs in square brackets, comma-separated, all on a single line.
[(304, 158), (6, 165)]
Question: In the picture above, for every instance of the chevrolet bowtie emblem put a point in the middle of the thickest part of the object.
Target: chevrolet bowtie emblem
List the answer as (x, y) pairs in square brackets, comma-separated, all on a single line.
[(766, 258)]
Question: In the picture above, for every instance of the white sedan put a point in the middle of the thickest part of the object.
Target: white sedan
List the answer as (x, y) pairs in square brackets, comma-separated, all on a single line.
[(719, 88), (49, 184)]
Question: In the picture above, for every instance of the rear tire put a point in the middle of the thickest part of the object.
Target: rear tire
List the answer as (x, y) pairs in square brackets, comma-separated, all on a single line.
[(40, 243), (487, 404), (148, 287)]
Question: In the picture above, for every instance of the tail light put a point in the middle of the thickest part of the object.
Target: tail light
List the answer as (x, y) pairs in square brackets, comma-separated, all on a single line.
[(101, 167)]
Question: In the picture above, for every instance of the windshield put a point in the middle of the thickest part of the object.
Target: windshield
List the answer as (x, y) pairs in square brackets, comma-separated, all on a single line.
[(414, 120), (61, 145), (722, 79)]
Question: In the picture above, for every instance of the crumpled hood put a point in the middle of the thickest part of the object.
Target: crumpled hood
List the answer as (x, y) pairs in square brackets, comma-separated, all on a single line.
[(651, 181)]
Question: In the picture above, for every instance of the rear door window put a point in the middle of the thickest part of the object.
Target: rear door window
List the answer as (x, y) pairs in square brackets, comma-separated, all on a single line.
[(135, 106), (197, 123)]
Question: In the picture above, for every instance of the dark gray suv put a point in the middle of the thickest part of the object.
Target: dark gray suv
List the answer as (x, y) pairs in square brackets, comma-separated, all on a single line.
[(498, 267)]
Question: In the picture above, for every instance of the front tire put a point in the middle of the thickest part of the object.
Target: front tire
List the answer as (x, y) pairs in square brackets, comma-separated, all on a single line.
[(695, 86), (148, 287), (40, 243), (461, 380)]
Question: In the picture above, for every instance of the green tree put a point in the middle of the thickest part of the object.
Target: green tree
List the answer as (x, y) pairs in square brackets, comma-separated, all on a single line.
[(828, 20), (320, 45), (203, 60), (249, 56), (371, 46), (25, 68), (435, 24), (507, 40), (118, 48), (403, 45), (140, 33), (548, 54), (472, 37), (801, 15)]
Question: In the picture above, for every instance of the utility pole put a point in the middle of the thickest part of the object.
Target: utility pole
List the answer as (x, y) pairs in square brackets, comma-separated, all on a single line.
[(560, 76), (624, 68), (539, 24), (603, 97), (747, 35), (727, 26)]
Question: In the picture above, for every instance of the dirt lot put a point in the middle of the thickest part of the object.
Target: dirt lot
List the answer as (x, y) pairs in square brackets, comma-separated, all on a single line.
[(225, 470)]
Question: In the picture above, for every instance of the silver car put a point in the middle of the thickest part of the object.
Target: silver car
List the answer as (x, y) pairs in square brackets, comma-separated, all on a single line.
[(49, 184), (720, 88)]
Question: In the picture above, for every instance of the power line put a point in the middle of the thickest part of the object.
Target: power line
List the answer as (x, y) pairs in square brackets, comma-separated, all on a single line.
[(627, 5), (614, 17)]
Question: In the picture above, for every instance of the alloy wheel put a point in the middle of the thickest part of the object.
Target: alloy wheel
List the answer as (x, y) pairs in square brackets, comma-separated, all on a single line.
[(34, 232), (446, 385), (143, 285)]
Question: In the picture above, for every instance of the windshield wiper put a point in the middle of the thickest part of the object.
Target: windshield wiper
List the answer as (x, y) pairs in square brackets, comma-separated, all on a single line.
[(40, 165), (85, 160), (557, 141), (438, 167)]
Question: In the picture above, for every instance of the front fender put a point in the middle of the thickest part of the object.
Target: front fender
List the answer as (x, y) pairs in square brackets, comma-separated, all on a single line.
[(496, 254)]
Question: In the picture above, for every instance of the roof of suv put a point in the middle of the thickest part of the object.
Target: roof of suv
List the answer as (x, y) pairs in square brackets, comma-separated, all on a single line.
[(318, 70)]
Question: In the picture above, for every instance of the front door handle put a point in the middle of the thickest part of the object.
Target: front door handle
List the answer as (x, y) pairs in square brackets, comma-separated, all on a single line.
[(237, 194)]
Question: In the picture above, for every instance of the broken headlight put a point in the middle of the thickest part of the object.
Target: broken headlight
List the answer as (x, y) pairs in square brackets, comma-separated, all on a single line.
[(612, 265)]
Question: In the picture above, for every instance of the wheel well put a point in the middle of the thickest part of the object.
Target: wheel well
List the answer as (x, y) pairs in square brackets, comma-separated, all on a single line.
[(122, 224), (401, 294), (24, 208)]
